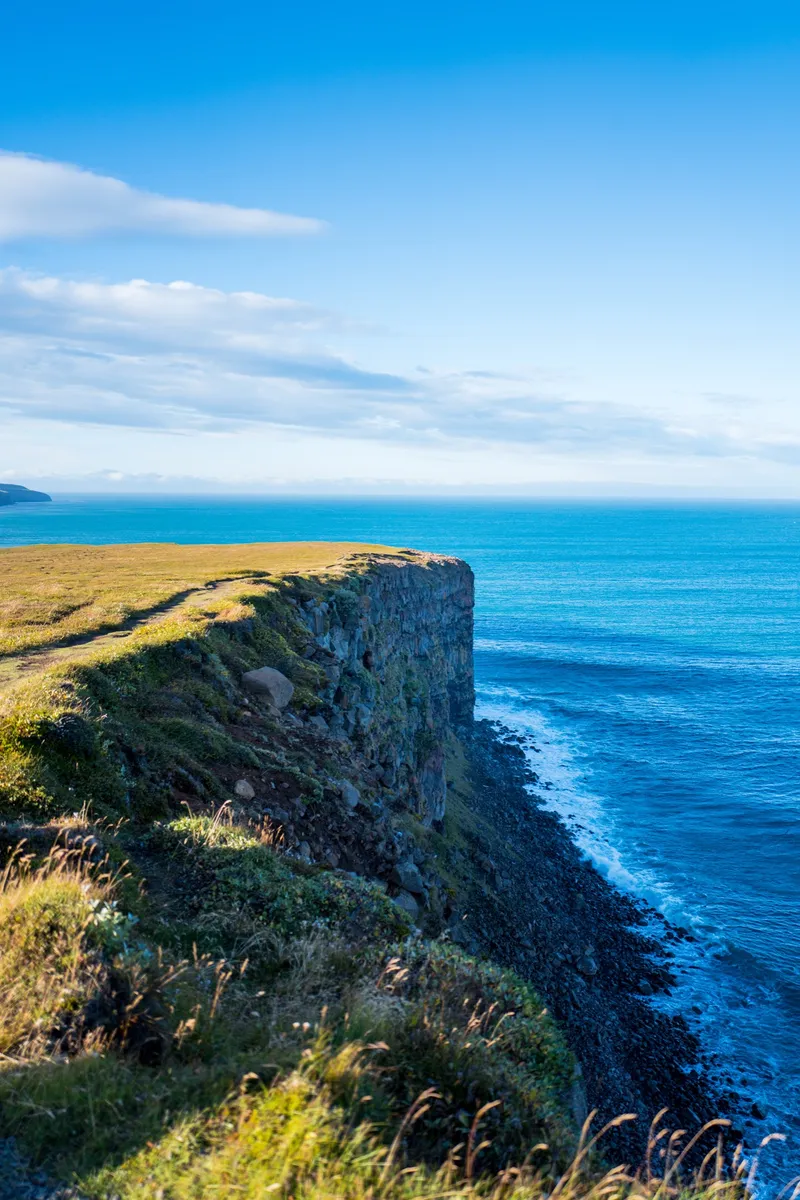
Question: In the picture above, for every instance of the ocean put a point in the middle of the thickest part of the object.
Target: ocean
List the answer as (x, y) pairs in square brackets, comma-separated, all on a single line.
[(654, 652)]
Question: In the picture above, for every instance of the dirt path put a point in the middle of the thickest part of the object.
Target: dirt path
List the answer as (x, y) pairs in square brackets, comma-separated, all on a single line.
[(14, 667)]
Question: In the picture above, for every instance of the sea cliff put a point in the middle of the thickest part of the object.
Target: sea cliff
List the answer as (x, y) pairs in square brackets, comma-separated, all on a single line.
[(395, 644), (272, 866)]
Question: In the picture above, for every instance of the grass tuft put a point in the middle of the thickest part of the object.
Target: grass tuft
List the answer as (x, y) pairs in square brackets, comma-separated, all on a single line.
[(47, 965)]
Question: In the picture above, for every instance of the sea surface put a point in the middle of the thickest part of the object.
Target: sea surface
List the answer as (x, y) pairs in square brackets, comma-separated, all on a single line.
[(654, 651)]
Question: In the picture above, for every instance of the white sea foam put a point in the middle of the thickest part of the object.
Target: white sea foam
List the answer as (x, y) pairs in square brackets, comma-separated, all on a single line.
[(564, 789), (707, 988)]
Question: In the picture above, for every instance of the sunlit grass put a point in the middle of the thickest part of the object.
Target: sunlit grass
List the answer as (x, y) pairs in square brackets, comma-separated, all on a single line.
[(52, 594), (304, 1137), (46, 967)]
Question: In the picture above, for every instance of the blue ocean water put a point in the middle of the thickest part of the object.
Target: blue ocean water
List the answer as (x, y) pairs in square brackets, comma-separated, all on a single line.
[(655, 652)]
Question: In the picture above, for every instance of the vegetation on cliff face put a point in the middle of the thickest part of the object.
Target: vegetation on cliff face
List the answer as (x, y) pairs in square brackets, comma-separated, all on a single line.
[(222, 969)]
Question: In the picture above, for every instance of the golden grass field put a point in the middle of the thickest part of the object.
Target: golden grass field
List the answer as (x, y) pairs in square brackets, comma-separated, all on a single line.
[(50, 595)]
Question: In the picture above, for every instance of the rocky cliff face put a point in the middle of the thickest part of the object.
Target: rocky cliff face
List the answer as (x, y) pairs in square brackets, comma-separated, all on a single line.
[(395, 643)]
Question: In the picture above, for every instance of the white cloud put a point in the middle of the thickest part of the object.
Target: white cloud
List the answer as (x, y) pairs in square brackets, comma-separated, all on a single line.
[(52, 199), (183, 359), (175, 314)]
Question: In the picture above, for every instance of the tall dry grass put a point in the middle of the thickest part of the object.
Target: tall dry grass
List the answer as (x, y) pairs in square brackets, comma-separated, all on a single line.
[(303, 1138), (46, 966)]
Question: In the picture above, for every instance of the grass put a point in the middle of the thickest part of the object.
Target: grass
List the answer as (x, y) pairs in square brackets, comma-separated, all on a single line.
[(388, 1025), (236, 869), (305, 1137), (117, 727), (54, 594), (46, 968), (425, 1074)]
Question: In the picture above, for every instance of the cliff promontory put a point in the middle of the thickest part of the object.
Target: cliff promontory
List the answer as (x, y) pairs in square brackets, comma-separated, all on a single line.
[(278, 917), (15, 493)]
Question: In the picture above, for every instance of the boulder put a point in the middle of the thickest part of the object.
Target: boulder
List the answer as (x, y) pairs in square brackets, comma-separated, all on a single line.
[(435, 902), (407, 876), (408, 904), (587, 965), (389, 774), (244, 790), (280, 815), (349, 793), (272, 683), (363, 715)]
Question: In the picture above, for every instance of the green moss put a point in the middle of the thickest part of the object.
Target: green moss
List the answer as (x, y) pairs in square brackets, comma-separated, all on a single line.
[(201, 743), (347, 604)]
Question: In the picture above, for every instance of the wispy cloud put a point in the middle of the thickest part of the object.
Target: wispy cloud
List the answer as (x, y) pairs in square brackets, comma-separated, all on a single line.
[(52, 199), (183, 358)]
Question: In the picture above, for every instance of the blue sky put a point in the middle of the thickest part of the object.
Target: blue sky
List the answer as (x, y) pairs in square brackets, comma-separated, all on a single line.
[(517, 247)]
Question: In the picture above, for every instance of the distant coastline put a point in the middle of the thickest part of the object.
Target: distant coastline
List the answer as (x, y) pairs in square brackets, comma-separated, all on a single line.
[(15, 493)]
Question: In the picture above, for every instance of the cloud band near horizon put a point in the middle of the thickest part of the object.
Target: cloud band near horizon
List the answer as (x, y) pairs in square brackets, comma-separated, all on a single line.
[(186, 359)]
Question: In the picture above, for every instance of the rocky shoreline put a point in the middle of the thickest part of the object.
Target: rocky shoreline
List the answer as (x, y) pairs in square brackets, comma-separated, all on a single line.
[(539, 907)]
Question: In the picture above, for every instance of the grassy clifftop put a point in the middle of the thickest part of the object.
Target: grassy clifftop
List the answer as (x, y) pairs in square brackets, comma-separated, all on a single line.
[(210, 981), (54, 594)]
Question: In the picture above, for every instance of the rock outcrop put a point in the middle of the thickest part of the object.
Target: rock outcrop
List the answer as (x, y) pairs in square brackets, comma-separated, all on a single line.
[(395, 643)]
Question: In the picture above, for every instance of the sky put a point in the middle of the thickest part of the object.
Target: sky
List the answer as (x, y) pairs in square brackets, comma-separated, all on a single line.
[(440, 247)]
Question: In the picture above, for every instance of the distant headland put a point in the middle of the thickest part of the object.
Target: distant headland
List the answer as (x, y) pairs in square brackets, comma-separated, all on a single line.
[(15, 493)]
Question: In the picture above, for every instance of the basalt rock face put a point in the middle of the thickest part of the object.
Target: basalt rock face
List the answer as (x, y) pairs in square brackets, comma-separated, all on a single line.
[(396, 646)]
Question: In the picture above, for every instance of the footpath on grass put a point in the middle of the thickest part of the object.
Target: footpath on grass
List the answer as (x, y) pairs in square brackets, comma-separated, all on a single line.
[(65, 603), (14, 667)]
